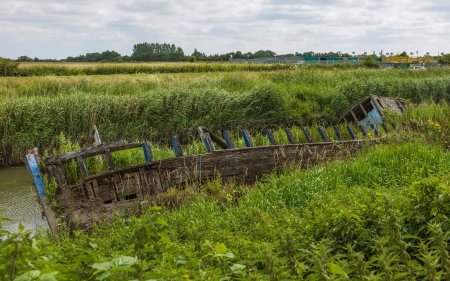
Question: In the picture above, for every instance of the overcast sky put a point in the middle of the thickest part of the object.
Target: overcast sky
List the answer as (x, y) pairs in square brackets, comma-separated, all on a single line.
[(60, 28)]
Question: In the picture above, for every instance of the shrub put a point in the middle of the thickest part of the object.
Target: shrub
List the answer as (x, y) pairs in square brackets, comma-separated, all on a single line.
[(8, 67)]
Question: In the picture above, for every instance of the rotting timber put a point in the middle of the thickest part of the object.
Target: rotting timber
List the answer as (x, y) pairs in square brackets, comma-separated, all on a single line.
[(96, 197)]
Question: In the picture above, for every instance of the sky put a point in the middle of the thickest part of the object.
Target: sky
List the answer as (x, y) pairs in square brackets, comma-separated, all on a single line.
[(56, 29)]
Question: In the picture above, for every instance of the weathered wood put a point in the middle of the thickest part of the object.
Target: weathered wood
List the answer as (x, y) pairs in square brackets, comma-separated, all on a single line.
[(94, 132), (208, 143), (375, 130), (247, 138), (177, 147), (363, 130), (351, 132), (148, 153), (307, 135), (89, 151), (271, 138), (56, 172), (323, 134), (110, 159), (118, 188), (214, 137), (82, 166), (289, 136), (228, 139), (337, 132), (363, 110), (385, 128), (354, 116)]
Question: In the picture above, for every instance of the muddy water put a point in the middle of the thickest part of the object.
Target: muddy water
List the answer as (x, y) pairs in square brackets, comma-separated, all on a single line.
[(19, 200)]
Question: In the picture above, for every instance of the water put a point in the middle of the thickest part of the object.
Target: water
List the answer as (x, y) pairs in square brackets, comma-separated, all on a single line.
[(18, 198)]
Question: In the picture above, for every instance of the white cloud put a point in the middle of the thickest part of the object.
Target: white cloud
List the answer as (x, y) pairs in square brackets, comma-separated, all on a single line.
[(58, 28)]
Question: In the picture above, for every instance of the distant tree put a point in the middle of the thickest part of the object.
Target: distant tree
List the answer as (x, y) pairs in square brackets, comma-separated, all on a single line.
[(370, 62), (192, 59), (263, 54), (24, 59), (36, 59), (157, 52), (445, 59), (8, 67), (404, 54)]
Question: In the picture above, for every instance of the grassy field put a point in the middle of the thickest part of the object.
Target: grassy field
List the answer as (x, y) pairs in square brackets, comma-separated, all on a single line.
[(34, 110), (382, 215)]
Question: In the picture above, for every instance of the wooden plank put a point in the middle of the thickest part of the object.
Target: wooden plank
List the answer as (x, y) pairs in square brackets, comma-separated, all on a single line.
[(271, 138), (247, 138), (354, 116), (89, 151), (228, 139), (363, 130), (351, 132), (56, 172), (289, 136), (148, 153), (88, 187), (337, 132), (214, 137), (208, 143), (110, 159), (94, 132), (307, 135), (323, 134), (363, 110), (385, 128), (375, 130), (83, 168), (177, 147)]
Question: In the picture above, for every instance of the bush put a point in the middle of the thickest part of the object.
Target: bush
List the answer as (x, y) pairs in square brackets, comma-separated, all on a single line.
[(8, 67), (192, 59), (370, 62)]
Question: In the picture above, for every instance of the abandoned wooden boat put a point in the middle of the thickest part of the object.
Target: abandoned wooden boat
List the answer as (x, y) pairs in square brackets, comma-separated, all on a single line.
[(370, 110), (95, 197)]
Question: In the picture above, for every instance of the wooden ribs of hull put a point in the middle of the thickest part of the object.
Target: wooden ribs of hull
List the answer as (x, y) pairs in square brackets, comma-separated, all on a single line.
[(124, 189)]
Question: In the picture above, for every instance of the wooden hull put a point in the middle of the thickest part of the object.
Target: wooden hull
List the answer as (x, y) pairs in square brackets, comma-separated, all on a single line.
[(124, 189)]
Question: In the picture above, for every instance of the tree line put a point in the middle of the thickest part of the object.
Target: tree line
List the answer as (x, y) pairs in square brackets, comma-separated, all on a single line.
[(155, 52)]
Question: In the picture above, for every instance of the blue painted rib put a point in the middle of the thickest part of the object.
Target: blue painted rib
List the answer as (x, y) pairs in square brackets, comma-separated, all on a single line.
[(37, 176), (307, 135), (337, 132), (351, 132), (175, 147), (228, 140), (289, 135), (375, 130), (270, 136), (146, 155), (247, 139), (207, 145), (363, 130), (322, 133)]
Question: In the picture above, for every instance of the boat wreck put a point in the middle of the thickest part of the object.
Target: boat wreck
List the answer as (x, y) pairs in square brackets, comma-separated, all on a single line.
[(96, 196), (370, 110)]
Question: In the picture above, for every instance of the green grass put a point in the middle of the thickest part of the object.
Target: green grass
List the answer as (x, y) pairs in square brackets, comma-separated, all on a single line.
[(34, 110), (379, 216)]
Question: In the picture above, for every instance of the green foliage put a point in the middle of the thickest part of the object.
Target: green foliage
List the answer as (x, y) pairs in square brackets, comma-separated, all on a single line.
[(370, 62), (8, 67), (382, 216), (445, 59), (192, 59)]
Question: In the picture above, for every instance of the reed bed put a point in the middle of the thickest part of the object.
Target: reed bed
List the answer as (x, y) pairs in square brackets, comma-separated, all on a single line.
[(34, 110)]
